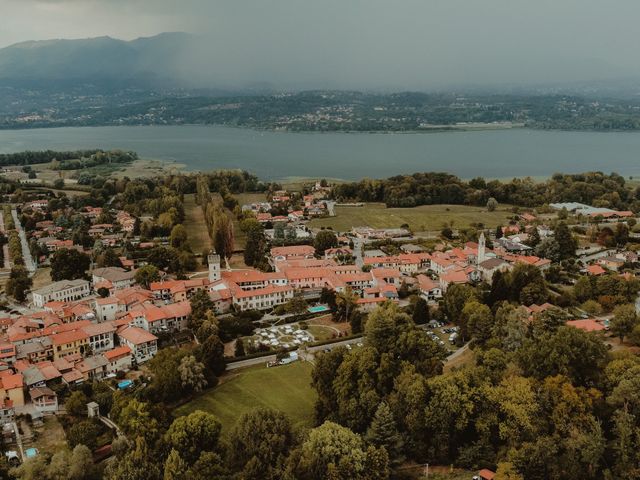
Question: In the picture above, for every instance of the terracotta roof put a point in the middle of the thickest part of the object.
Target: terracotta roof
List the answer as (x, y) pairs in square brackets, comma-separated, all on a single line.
[(117, 353), (13, 381), (69, 337), (136, 335)]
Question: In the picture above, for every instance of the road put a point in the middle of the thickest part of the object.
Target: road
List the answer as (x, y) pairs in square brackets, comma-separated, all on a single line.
[(26, 253), (270, 358), (358, 245)]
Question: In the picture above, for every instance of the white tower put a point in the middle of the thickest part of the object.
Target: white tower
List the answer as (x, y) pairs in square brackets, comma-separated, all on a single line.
[(481, 249), (214, 267)]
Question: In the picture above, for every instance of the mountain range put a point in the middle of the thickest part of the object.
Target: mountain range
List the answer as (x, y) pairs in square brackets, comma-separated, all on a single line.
[(145, 62)]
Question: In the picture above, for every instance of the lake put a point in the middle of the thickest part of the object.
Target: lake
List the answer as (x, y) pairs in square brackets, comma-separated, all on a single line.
[(278, 155)]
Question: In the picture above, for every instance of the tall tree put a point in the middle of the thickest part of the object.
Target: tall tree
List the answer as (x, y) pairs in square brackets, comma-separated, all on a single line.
[(383, 432), (69, 264)]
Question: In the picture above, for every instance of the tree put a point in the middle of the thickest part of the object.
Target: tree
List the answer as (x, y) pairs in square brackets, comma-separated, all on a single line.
[(325, 239), (455, 298), (334, 452), (260, 442), (178, 237), (624, 321), (108, 258), (192, 374), (479, 321), (255, 241), (19, 283), (223, 235), (136, 464), (567, 351), (174, 467), (69, 264), (76, 404), (346, 304), (193, 434), (239, 350), (499, 233), (421, 312), (296, 305), (492, 204), (147, 274), (81, 466), (506, 471), (566, 242), (211, 354), (383, 432), (83, 433), (201, 305)]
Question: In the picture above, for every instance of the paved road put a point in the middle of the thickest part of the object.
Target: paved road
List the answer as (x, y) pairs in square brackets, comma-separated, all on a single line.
[(26, 253), (270, 358)]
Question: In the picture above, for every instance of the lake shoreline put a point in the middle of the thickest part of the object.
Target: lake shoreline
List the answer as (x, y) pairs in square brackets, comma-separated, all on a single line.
[(276, 156)]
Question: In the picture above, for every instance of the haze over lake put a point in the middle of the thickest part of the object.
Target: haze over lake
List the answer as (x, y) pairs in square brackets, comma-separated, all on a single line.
[(278, 155)]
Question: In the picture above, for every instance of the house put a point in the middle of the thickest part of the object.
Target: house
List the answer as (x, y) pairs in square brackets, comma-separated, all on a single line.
[(107, 308), (430, 290), (93, 368), (486, 474), (69, 343), (143, 344), (595, 270), (11, 387), (100, 336), (63, 291), (7, 412), (293, 251), (44, 399), (491, 266), (118, 277), (611, 263), (119, 359)]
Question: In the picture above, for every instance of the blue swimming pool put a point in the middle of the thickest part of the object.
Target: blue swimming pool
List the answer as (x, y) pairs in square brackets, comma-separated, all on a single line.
[(318, 309), (124, 384), (31, 452)]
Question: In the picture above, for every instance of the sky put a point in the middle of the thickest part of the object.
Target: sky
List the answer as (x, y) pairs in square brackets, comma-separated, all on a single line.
[(413, 44)]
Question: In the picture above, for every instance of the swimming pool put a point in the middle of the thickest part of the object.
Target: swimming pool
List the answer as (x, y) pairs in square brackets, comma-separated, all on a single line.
[(318, 309), (124, 384)]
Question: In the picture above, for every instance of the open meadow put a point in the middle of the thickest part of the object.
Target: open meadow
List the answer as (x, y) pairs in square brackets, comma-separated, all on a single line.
[(420, 219), (195, 225), (286, 388)]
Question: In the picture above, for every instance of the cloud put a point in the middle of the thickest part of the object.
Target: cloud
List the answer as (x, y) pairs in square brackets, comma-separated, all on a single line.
[(362, 43)]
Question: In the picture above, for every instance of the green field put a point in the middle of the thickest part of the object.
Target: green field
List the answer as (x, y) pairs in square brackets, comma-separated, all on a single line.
[(286, 388), (194, 223), (420, 219)]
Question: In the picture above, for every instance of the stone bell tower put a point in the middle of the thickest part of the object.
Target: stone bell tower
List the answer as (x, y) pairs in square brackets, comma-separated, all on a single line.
[(481, 249), (214, 267)]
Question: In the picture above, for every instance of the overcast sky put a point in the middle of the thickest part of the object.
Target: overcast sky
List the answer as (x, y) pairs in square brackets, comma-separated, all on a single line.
[(364, 43)]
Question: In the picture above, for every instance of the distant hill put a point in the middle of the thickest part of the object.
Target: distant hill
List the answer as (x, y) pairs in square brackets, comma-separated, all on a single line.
[(146, 62)]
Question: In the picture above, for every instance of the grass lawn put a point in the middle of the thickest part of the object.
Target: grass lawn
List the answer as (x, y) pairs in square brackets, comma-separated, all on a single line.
[(195, 225), (247, 198), (420, 219), (41, 278), (286, 388), (50, 438)]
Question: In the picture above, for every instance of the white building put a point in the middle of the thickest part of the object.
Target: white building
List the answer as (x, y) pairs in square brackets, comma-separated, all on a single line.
[(62, 291), (143, 345)]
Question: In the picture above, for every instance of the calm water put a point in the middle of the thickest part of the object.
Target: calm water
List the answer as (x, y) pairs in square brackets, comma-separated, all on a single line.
[(276, 155)]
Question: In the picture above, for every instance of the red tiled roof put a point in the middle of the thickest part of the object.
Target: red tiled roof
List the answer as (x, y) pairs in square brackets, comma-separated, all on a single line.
[(117, 353)]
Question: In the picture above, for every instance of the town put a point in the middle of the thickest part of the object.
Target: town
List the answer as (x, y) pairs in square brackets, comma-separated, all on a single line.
[(97, 286)]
